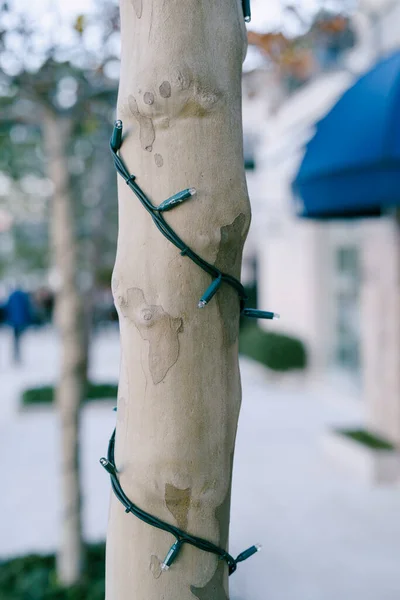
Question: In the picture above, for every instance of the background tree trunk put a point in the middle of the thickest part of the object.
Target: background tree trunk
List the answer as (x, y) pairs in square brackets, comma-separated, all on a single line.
[(69, 320), (381, 330), (179, 396)]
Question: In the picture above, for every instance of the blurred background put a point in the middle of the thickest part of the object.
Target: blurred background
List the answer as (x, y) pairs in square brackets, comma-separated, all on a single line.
[(317, 467)]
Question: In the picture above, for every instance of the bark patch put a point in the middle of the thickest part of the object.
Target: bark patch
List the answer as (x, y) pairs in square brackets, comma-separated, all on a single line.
[(227, 260), (148, 98), (138, 7), (158, 159), (214, 590), (178, 504), (155, 326), (165, 89), (184, 79), (207, 99), (147, 132), (155, 566)]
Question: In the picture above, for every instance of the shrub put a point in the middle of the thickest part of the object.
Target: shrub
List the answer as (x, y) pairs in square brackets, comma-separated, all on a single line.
[(33, 577), (45, 394), (277, 351)]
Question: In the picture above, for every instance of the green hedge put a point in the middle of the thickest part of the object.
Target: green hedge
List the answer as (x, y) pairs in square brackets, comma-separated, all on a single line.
[(367, 438), (276, 351), (34, 578), (45, 394)]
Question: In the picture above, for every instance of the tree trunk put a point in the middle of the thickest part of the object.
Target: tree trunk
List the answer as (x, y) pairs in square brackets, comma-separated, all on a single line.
[(180, 393), (381, 327), (69, 321)]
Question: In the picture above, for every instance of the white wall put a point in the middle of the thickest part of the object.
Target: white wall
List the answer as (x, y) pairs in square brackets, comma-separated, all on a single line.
[(295, 256), (292, 253)]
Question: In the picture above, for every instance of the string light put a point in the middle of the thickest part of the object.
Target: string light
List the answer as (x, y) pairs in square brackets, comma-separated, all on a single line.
[(246, 10), (259, 314), (176, 199), (156, 214), (210, 292), (172, 555), (181, 537)]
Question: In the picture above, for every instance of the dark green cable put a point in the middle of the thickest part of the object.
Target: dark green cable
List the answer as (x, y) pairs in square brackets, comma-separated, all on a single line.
[(182, 537), (218, 276), (246, 10)]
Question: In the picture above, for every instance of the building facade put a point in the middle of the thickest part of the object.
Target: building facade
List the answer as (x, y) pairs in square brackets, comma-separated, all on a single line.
[(336, 284)]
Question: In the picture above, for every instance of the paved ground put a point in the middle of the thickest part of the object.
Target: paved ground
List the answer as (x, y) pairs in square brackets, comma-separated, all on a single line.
[(325, 535)]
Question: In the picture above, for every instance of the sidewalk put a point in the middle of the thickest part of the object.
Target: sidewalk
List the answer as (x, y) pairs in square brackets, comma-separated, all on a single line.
[(324, 536)]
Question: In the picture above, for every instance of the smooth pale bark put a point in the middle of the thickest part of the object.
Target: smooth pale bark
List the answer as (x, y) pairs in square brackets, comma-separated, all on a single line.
[(70, 323), (180, 393)]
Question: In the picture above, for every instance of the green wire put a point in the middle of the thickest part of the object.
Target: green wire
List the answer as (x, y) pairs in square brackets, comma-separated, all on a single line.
[(173, 237), (181, 536), (218, 276)]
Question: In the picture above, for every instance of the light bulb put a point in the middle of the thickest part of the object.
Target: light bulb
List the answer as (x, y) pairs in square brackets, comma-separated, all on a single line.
[(210, 292), (176, 199), (171, 556), (116, 137)]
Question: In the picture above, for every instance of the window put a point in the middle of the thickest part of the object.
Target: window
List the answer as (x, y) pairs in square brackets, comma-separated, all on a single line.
[(347, 309)]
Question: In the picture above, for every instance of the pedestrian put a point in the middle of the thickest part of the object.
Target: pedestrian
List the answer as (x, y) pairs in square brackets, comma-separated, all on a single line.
[(18, 314)]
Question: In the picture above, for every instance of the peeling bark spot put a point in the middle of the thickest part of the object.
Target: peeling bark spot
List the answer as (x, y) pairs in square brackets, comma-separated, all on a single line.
[(228, 261), (178, 504), (155, 566), (214, 590), (207, 98), (165, 89), (230, 249), (147, 132), (200, 102), (158, 159), (148, 98), (155, 326), (138, 7), (163, 123), (183, 79)]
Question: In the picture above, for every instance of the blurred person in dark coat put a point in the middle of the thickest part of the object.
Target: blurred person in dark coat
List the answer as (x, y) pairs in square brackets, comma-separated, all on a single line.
[(18, 314)]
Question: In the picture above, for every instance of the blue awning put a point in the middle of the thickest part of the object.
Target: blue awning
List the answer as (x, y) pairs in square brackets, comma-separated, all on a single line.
[(351, 167)]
